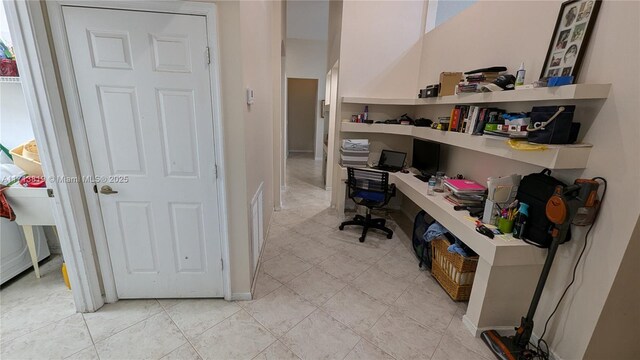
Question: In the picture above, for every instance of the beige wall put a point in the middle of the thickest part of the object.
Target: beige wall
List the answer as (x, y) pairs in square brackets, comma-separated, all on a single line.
[(380, 48), (247, 32), (301, 114), (231, 72), (614, 133), (307, 59), (616, 335), (379, 53), (335, 33)]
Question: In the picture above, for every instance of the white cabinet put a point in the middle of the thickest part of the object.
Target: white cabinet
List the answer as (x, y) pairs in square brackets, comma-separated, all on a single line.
[(14, 254)]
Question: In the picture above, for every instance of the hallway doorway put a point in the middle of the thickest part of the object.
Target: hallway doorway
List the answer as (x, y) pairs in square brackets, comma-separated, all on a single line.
[(302, 96)]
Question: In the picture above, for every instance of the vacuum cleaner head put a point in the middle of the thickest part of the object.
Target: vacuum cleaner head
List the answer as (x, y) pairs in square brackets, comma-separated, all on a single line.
[(505, 348)]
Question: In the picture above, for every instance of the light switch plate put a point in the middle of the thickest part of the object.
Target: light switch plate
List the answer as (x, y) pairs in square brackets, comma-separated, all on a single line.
[(250, 96)]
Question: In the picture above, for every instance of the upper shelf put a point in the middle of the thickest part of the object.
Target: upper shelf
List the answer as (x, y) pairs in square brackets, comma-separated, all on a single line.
[(567, 92), (554, 157)]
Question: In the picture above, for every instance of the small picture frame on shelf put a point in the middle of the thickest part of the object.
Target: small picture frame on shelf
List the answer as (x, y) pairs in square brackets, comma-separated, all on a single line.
[(570, 38)]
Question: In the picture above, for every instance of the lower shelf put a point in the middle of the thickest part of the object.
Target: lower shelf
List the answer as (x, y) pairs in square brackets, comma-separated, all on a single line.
[(554, 157)]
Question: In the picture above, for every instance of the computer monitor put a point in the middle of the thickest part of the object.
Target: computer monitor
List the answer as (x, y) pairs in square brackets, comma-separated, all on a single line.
[(426, 157)]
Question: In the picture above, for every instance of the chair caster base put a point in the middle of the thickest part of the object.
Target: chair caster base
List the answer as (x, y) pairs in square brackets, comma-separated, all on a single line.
[(368, 223)]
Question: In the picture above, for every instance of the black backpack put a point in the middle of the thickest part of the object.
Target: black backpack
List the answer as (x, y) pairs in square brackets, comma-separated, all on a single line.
[(420, 246), (535, 190)]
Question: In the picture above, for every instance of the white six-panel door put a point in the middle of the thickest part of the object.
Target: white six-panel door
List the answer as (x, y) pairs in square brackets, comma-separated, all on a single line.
[(145, 94)]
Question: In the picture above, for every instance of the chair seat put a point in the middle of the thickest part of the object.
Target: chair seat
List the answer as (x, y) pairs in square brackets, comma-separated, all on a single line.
[(372, 196)]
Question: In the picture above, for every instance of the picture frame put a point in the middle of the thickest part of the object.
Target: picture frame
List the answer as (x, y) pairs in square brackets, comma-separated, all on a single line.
[(322, 109), (571, 34)]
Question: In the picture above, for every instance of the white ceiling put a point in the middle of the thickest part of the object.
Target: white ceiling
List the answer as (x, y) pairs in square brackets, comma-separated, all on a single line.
[(308, 19)]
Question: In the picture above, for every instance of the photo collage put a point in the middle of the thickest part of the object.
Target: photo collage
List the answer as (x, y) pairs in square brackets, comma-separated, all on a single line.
[(570, 34)]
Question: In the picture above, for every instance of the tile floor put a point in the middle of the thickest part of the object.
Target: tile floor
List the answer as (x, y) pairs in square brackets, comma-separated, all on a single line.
[(320, 294)]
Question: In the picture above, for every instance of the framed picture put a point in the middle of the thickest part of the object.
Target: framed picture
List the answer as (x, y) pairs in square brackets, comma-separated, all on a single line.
[(322, 109), (570, 38)]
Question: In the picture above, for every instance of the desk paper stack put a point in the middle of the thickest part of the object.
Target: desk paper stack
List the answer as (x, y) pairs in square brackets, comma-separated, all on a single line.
[(354, 153), (502, 191), (465, 192)]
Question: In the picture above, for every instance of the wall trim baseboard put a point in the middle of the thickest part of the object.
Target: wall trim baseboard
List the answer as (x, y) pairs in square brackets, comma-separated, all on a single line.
[(246, 296), (476, 331)]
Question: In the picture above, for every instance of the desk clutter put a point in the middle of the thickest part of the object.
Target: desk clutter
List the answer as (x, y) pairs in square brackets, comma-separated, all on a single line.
[(539, 125), (354, 153)]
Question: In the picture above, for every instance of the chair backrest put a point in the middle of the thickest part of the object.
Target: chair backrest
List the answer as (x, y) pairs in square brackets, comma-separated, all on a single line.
[(368, 187)]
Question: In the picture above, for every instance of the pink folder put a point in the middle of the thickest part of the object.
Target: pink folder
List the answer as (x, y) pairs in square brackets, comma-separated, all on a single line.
[(464, 185)]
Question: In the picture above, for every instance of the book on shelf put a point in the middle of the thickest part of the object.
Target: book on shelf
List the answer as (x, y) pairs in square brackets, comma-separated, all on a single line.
[(474, 112), (473, 82), (455, 200), (351, 152)]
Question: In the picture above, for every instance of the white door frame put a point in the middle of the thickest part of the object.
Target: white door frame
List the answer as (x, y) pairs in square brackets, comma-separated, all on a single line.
[(63, 52), (46, 110)]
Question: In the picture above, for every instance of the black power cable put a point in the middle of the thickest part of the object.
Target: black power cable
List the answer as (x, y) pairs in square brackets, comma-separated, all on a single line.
[(544, 353)]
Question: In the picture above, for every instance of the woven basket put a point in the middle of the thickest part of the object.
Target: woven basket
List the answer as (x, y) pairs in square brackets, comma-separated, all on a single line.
[(454, 272)]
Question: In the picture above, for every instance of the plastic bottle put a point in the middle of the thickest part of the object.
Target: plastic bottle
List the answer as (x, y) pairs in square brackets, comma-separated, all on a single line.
[(521, 221), (366, 113), (440, 178), (520, 75), (431, 186)]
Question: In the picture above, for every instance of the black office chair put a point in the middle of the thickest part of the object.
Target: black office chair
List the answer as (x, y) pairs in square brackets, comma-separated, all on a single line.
[(371, 189)]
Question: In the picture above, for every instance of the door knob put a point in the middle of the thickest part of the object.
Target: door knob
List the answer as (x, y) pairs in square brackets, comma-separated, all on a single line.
[(107, 190)]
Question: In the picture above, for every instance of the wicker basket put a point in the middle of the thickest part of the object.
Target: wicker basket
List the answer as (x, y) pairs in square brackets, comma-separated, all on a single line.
[(454, 272)]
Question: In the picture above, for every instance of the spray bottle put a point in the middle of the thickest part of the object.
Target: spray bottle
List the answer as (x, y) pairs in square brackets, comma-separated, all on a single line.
[(520, 75)]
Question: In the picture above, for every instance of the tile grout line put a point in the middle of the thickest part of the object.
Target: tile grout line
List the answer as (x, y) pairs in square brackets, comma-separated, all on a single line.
[(377, 347), (5, 342), (182, 332), (93, 343), (324, 302), (136, 323)]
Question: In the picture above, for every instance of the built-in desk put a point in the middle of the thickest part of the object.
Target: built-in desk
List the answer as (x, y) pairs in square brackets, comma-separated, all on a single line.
[(508, 268)]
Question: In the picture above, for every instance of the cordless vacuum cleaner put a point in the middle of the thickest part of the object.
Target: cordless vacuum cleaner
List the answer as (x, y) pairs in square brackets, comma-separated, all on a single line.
[(575, 204)]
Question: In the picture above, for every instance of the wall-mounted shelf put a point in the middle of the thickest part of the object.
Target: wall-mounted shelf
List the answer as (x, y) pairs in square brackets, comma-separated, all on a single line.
[(555, 157), (10, 79), (567, 92)]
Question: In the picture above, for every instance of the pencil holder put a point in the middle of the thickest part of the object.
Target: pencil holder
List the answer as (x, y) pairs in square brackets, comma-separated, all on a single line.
[(505, 225)]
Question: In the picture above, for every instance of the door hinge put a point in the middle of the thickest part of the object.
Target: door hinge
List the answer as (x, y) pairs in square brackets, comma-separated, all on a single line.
[(222, 264), (207, 55), (215, 169), (95, 188)]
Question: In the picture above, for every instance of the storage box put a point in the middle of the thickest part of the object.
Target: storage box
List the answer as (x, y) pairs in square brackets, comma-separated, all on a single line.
[(25, 160), (448, 82), (454, 272)]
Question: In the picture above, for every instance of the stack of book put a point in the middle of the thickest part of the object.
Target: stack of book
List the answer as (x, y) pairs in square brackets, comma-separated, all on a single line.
[(465, 192), (472, 119), (354, 153), (474, 82)]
